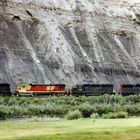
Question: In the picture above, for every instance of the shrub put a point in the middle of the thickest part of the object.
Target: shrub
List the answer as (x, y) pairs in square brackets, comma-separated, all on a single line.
[(132, 109), (86, 109), (132, 99), (94, 115), (103, 99), (35, 110), (3, 113), (114, 115), (116, 99), (104, 108), (73, 115), (118, 108), (18, 111), (56, 110), (59, 106)]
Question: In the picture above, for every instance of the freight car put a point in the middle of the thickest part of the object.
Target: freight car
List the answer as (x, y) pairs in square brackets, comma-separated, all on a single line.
[(92, 89), (5, 89), (39, 90), (129, 89)]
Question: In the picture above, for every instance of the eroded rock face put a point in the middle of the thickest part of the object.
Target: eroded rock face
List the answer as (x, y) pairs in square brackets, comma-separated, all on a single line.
[(70, 41)]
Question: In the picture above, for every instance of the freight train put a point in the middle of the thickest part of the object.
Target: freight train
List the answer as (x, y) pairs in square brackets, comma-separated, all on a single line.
[(62, 89)]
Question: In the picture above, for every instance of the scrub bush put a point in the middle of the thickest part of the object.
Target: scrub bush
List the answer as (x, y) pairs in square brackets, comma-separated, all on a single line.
[(60, 106), (95, 116), (86, 109), (72, 115), (114, 115)]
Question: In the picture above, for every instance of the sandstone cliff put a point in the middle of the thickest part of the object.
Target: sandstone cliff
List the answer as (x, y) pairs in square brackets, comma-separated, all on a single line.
[(69, 41)]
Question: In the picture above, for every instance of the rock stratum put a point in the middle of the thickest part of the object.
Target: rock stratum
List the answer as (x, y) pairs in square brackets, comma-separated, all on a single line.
[(70, 41)]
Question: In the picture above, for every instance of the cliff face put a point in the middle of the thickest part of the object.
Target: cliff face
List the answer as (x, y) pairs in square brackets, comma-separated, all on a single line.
[(69, 41)]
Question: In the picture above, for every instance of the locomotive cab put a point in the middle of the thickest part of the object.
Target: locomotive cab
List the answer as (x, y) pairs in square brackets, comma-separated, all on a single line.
[(22, 90)]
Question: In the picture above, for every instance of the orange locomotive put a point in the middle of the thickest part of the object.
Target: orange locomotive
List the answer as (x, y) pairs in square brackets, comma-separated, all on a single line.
[(34, 90)]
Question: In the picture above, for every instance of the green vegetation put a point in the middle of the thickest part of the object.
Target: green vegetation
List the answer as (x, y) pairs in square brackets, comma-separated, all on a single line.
[(81, 129), (73, 115), (94, 116), (106, 106), (113, 115)]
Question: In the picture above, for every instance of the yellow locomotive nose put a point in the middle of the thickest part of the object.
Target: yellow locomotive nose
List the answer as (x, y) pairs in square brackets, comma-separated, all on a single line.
[(18, 89), (21, 88)]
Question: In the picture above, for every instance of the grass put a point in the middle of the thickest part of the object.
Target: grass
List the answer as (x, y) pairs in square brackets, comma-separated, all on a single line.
[(81, 129)]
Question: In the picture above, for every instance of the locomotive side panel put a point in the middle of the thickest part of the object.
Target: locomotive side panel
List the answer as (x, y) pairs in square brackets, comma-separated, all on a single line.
[(137, 89), (130, 89), (77, 90), (92, 89), (107, 89), (36, 88), (41, 89), (98, 89)]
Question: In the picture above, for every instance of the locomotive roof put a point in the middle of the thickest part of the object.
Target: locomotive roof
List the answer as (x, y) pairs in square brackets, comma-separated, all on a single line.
[(5, 84), (98, 85), (47, 84), (130, 85)]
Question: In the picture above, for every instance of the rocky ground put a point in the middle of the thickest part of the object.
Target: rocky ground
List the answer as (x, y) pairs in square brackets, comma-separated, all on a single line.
[(69, 41)]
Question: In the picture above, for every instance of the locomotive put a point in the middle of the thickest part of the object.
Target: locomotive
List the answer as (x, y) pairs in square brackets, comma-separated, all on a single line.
[(62, 89), (92, 89), (37, 90), (129, 89)]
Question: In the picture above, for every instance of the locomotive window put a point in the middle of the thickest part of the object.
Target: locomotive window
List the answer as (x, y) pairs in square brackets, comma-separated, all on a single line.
[(23, 86)]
